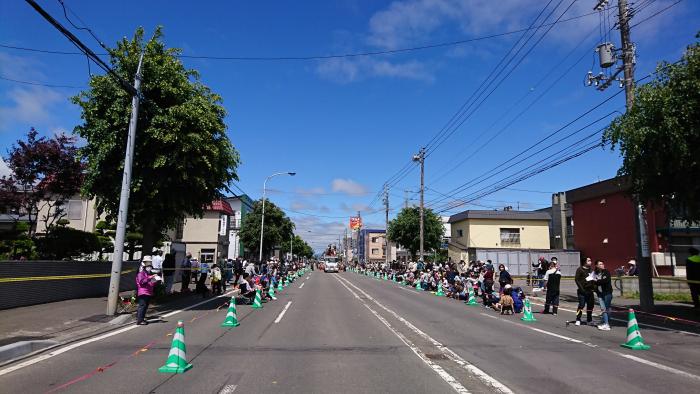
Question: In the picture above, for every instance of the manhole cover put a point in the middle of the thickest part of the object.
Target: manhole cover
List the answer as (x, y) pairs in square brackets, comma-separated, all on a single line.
[(438, 356)]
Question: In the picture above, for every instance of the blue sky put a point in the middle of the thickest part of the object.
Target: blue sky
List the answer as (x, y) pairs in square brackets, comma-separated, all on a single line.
[(346, 125)]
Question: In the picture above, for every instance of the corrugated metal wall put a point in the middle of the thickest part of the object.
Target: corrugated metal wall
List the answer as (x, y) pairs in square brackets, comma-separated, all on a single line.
[(24, 283), (519, 262)]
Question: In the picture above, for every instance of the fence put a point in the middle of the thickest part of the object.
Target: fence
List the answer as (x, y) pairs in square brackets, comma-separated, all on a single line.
[(519, 262), (24, 283)]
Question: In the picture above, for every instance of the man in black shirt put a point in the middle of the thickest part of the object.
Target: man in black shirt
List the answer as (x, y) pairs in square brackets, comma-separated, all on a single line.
[(585, 283)]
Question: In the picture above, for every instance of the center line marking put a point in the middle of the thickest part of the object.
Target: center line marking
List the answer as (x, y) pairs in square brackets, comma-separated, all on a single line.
[(302, 285), (283, 312), (486, 379)]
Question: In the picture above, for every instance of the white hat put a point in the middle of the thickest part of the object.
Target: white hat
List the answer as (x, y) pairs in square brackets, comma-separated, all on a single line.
[(146, 259)]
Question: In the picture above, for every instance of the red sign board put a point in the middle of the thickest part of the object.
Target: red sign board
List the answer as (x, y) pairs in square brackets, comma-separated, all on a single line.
[(355, 223)]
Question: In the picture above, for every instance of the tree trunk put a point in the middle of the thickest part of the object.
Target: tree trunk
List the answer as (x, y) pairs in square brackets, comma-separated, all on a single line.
[(149, 238)]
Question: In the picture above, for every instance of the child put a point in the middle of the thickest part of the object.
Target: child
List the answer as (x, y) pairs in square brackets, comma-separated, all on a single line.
[(216, 278), (507, 302)]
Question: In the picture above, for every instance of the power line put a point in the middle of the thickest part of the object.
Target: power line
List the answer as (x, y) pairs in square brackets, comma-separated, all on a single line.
[(318, 57), (40, 83)]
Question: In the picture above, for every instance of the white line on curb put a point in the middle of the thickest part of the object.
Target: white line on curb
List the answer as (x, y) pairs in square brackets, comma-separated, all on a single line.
[(283, 312), (574, 340), (481, 375), (62, 350), (449, 379), (302, 285)]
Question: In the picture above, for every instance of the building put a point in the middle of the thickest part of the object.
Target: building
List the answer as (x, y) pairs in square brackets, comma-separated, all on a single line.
[(207, 237), (473, 230), (371, 247), (599, 220), (241, 206)]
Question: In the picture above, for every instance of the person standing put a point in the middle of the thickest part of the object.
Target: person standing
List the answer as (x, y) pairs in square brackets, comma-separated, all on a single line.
[(692, 272), (585, 283), (605, 293), (216, 279), (145, 283), (202, 281), (552, 279), (504, 277), (157, 261), (169, 272), (186, 273)]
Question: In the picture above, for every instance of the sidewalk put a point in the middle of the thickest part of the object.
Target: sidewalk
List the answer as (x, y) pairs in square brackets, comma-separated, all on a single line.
[(69, 320)]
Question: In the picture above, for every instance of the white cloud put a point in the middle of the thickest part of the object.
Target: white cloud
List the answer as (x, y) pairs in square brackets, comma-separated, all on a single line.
[(22, 68), (299, 205), (311, 191), (32, 106), (4, 169), (348, 186), (353, 208), (345, 70)]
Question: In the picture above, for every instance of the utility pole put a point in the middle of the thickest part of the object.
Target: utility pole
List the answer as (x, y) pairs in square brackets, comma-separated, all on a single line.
[(405, 198), (387, 251), (646, 289), (122, 218), (608, 56), (420, 157)]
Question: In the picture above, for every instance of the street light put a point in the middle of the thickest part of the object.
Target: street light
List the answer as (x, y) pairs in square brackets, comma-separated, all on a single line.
[(262, 220)]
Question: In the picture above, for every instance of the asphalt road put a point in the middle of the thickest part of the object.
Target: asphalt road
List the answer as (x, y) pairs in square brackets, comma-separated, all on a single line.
[(347, 333)]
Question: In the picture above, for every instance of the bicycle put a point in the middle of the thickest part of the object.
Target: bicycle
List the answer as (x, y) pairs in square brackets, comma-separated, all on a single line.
[(127, 304)]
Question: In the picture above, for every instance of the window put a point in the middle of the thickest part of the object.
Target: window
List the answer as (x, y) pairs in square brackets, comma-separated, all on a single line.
[(374, 240), (375, 250), (75, 210), (569, 226), (179, 229), (510, 236), (206, 255), (460, 233)]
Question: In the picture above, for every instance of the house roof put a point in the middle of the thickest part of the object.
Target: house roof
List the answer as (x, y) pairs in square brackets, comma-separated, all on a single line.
[(220, 206), (598, 189), (500, 215)]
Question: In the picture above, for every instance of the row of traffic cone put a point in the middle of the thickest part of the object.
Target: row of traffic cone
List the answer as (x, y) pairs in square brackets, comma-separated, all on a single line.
[(634, 339), (177, 358)]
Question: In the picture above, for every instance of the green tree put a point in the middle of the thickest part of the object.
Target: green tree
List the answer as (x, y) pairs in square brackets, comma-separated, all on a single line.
[(182, 157), (65, 243), (659, 137), (300, 247), (105, 232), (405, 230), (278, 227)]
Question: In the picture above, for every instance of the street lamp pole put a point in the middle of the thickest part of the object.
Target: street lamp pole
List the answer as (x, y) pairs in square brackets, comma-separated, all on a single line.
[(262, 219)]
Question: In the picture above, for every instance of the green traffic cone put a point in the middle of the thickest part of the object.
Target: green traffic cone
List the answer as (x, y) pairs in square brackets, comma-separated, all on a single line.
[(271, 293), (527, 312), (177, 358), (418, 286), (634, 337), (472, 297), (231, 316), (439, 292), (257, 302), (279, 285)]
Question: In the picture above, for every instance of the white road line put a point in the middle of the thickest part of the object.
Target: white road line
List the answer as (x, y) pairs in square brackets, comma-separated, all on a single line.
[(574, 340), (627, 356), (283, 312), (62, 350), (228, 389), (302, 285), (449, 379), (481, 375), (638, 323), (657, 365)]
